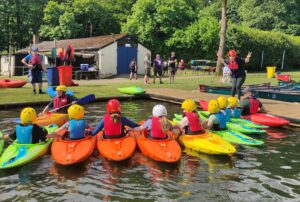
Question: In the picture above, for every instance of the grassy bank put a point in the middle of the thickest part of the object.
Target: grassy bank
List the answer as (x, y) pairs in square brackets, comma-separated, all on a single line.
[(108, 87)]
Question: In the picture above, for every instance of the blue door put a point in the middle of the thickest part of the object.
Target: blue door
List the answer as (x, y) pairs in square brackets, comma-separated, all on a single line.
[(125, 55)]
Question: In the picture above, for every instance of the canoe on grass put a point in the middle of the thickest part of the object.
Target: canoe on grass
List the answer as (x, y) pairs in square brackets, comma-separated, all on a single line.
[(132, 90)]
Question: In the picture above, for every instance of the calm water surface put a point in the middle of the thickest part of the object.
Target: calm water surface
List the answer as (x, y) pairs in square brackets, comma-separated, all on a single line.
[(267, 173)]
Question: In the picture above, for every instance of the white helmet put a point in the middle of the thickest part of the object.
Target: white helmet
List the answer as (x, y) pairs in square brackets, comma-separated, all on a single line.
[(159, 110)]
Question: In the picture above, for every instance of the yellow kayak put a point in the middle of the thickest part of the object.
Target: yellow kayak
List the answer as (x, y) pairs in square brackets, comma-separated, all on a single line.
[(52, 118), (208, 143)]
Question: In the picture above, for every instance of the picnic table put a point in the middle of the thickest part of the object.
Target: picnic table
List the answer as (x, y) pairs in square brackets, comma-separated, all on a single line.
[(86, 74)]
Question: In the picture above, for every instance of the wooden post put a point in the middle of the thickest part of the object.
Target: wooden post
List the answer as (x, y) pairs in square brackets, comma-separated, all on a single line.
[(9, 61), (222, 38)]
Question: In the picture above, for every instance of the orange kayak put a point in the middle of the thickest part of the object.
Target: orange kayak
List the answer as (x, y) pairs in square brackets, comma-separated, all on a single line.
[(117, 149), (58, 119), (68, 152), (167, 150)]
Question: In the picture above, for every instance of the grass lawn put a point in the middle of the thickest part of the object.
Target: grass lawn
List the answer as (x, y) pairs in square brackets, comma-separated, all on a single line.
[(107, 87)]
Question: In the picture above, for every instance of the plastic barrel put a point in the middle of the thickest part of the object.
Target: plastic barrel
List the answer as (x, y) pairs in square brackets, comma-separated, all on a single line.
[(53, 79), (271, 72), (65, 75)]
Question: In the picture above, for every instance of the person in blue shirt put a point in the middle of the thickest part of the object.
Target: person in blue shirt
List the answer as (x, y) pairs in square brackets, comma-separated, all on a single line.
[(113, 124), (34, 62)]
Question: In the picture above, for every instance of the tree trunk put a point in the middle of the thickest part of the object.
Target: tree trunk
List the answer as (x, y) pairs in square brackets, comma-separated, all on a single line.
[(222, 38)]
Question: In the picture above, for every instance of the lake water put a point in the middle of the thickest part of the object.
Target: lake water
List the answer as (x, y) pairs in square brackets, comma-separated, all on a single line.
[(267, 173)]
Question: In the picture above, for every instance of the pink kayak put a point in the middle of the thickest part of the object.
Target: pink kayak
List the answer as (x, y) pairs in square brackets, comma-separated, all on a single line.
[(259, 118), (12, 83)]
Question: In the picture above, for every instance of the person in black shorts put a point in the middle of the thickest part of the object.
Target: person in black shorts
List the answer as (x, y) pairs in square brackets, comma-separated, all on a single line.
[(147, 66), (158, 67), (172, 67), (133, 68)]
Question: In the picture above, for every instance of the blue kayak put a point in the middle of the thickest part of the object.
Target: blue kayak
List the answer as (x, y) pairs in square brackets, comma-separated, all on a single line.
[(51, 91)]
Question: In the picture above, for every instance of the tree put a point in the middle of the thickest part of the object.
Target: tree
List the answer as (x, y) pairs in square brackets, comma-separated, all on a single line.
[(222, 38)]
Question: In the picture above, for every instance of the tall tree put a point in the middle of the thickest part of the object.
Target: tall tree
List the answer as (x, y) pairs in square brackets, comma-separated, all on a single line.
[(222, 37)]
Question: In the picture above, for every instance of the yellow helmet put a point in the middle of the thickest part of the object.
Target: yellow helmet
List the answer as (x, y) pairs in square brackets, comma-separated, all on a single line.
[(233, 102), (223, 103), (189, 105), (76, 112), (213, 106), (28, 115), (61, 88)]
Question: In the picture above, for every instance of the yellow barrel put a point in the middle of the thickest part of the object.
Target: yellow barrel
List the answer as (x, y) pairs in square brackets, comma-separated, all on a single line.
[(271, 72)]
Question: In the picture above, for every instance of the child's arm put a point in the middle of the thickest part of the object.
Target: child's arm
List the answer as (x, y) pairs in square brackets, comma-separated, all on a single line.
[(98, 128)]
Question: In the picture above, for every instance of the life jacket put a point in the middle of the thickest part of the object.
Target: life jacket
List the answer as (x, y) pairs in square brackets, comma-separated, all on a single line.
[(35, 59), (157, 131), (233, 65), (227, 113), (254, 105), (222, 122), (60, 101), (111, 128), (236, 112), (194, 123), (24, 134), (77, 129)]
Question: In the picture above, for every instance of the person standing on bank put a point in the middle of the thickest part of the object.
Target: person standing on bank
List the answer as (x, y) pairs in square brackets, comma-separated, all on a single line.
[(133, 69), (34, 62), (147, 66), (158, 68), (238, 74), (172, 67)]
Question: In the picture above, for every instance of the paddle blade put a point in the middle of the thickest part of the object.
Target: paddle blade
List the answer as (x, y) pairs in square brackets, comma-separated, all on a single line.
[(86, 99)]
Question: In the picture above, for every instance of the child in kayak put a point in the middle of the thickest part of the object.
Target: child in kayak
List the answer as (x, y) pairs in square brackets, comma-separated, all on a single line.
[(216, 119), (27, 132), (113, 124), (158, 125), (60, 100), (233, 105), (223, 103), (190, 122), (250, 104), (77, 126)]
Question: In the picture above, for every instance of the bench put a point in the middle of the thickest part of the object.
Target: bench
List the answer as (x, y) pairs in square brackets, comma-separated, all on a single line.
[(86, 74)]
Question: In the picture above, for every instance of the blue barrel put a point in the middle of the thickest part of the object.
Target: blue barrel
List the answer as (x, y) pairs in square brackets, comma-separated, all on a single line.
[(53, 78)]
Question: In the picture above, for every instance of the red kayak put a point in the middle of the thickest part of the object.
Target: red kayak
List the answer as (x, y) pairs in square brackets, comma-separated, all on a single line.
[(260, 118), (283, 77), (12, 83)]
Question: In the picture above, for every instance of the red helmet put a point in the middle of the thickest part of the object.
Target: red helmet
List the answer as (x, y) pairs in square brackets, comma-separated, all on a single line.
[(232, 53), (113, 106)]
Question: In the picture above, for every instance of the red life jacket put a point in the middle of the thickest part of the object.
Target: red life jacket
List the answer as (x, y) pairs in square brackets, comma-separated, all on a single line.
[(194, 121), (233, 65), (60, 101), (157, 131), (35, 59), (111, 128), (254, 105)]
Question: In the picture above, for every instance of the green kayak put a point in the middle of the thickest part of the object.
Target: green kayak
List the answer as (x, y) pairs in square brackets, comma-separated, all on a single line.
[(237, 127), (21, 154), (241, 121), (132, 90), (1, 142), (233, 137)]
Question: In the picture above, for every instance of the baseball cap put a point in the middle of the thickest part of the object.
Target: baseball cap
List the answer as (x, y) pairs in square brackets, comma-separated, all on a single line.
[(35, 49)]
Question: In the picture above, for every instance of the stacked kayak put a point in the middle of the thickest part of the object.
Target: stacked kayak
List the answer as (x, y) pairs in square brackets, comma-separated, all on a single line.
[(1, 142), (132, 90), (51, 91), (233, 137), (117, 149), (68, 152), (165, 150), (21, 154), (236, 127), (259, 118), (52, 118), (12, 83)]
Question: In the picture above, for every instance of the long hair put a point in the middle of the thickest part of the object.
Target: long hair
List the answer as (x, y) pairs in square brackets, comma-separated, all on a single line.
[(165, 125), (116, 117)]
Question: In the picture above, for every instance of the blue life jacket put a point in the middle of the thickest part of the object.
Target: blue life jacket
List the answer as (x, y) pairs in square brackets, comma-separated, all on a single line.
[(236, 113), (77, 129), (24, 134), (228, 114), (222, 120)]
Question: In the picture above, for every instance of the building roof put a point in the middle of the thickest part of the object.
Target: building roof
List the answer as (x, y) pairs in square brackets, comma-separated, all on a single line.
[(79, 44)]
